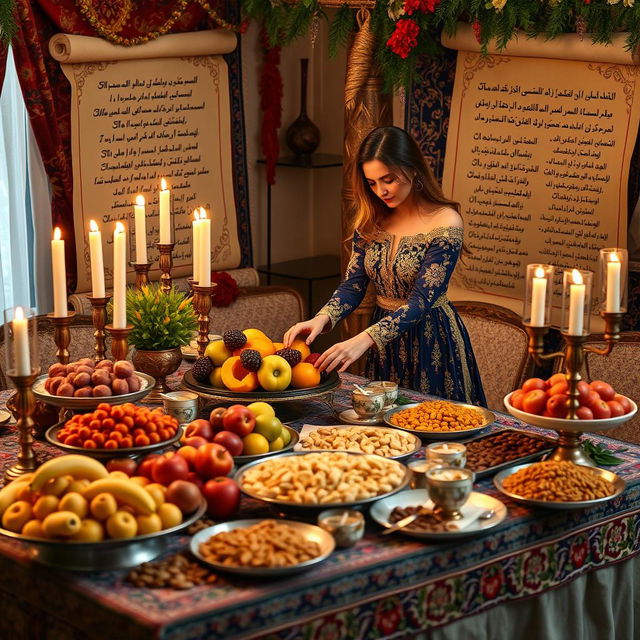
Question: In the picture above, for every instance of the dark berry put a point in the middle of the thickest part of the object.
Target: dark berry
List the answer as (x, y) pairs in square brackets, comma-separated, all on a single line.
[(202, 369), (234, 339), (251, 359), (292, 356)]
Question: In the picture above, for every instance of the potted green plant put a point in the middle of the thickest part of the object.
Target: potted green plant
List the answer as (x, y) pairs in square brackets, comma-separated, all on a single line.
[(162, 323)]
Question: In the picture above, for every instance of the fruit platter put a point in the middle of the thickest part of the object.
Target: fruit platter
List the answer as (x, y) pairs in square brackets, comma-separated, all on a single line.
[(75, 514), (85, 384), (248, 433), (247, 366)]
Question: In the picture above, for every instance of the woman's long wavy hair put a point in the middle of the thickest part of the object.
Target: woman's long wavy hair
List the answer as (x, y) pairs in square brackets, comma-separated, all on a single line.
[(397, 149)]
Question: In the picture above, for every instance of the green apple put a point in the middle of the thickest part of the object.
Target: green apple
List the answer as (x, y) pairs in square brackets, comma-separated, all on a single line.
[(268, 426), (276, 445), (261, 409), (254, 444), (285, 434), (217, 352)]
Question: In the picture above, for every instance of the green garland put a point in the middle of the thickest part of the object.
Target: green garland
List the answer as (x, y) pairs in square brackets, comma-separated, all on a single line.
[(8, 26), (598, 20)]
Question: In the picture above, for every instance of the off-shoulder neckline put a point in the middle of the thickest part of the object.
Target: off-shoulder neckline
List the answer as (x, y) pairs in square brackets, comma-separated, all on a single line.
[(433, 233)]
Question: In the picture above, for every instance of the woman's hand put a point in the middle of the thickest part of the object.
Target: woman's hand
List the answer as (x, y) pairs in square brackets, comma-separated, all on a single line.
[(311, 327), (343, 354)]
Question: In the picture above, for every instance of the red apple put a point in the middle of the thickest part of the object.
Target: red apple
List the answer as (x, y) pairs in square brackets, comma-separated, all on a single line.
[(215, 419), (199, 427), (185, 495), (230, 441), (166, 470), (193, 476), (239, 420), (145, 468), (213, 460), (601, 410), (188, 452), (195, 441), (584, 393), (557, 405), (222, 496), (584, 413), (616, 408), (312, 357), (604, 389), (128, 465)]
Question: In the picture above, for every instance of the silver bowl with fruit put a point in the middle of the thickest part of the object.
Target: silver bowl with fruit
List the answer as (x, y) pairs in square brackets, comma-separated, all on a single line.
[(85, 384)]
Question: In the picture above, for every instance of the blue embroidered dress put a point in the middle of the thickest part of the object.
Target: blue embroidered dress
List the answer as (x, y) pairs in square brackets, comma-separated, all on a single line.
[(421, 341)]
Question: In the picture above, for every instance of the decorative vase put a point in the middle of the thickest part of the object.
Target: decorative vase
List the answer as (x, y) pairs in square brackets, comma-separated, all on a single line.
[(303, 137), (158, 364)]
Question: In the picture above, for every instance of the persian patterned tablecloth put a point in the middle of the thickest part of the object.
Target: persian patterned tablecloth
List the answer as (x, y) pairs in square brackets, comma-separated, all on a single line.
[(384, 587)]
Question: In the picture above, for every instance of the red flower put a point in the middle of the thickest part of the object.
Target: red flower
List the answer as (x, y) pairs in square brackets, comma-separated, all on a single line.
[(226, 290), (491, 582), (388, 615), (477, 29), (424, 6), (404, 38)]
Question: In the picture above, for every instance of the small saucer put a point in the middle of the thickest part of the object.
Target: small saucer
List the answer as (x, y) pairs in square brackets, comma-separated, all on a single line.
[(5, 416), (349, 416)]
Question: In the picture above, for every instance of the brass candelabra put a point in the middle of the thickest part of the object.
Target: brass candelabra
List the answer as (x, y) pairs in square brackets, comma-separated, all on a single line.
[(25, 404), (166, 264), (119, 341), (62, 335), (202, 305), (99, 318), (142, 274)]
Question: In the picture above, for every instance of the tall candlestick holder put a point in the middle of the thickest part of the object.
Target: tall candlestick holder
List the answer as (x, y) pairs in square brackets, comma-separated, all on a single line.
[(166, 264), (571, 428), (119, 341), (62, 335), (202, 305), (99, 317), (142, 274)]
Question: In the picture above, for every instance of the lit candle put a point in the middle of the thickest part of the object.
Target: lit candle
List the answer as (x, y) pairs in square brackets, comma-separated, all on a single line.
[(576, 304), (613, 284), (59, 275), (21, 343), (196, 229), (141, 230), (538, 297), (119, 277), (165, 209), (97, 263), (204, 272)]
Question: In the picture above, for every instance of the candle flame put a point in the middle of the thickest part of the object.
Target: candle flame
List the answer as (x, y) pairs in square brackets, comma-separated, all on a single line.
[(203, 213), (163, 184), (539, 272), (119, 227), (614, 257), (19, 315), (576, 277), (196, 214), (57, 234), (93, 225), (140, 200)]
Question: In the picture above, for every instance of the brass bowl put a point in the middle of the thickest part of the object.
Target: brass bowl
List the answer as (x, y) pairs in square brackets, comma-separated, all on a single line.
[(158, 364)]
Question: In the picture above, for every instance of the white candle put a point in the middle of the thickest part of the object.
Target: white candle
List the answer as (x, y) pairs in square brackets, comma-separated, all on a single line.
[(20, 328), (119, 277), (205, 250), (165, 210), (141, 230), (196, 229), (613, 284), (59, 275), (576, 304), (97, 262), (538, 298)]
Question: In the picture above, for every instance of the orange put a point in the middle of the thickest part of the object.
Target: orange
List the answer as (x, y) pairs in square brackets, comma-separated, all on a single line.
[(302, 347), (264, 346), (304, 375), (255, 333), (276, 345), (236, 378)]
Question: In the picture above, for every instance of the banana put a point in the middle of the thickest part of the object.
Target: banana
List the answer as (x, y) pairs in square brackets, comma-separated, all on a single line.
[(9, 494), (125, 491), (75, 465)]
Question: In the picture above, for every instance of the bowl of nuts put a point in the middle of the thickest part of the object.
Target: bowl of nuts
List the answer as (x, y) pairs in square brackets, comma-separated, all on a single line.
[(322, 479), (262, 547), (559, 484), (439, 419)]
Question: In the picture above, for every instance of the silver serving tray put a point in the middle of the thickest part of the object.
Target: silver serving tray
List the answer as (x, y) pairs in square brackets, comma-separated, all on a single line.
[(488, 416), (309, 531), (106, 454), (324, 505), (381, 511), (295, 437), (533, 457), (619, 484), (101, 556), (417, 443), (146, 385), (564, 424)]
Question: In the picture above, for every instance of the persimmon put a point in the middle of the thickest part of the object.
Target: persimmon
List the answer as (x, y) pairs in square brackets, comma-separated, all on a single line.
[(304, 375)]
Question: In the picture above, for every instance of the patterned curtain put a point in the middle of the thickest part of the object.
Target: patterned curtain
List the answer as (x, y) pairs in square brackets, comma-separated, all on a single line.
[(47, 92)]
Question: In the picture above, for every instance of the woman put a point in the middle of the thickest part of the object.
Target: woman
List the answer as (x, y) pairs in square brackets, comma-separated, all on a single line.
[(407, 240)]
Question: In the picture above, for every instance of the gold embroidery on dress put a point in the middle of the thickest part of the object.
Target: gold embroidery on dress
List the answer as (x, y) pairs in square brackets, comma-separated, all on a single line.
[(462, 355)]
